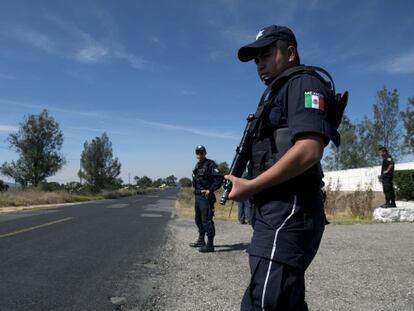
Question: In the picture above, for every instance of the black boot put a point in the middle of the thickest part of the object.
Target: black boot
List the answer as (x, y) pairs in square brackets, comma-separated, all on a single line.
[(199, 242), (209, 247)]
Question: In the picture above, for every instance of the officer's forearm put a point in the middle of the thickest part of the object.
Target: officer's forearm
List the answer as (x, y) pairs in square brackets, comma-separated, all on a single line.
[(389, 168), (306, 152)]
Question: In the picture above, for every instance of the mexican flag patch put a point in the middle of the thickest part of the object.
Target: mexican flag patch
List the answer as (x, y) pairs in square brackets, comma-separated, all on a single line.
[(314, 100)]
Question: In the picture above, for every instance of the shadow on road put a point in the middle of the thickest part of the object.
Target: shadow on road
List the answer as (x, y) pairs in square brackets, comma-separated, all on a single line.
[(231, 247)]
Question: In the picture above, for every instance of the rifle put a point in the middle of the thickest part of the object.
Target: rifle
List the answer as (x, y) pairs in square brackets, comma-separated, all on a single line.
[(241, 158)]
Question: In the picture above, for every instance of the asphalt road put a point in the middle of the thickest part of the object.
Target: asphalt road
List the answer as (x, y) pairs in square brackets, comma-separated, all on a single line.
[(93, 256)]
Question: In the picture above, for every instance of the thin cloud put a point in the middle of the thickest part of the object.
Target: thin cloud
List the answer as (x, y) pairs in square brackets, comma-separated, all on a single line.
[(188, 92), (8, 128), (96, 115), (92, 53), (135, 61), (74, 43), (97, 130), (32, 37), (4, 76), (191, 130), (403, 63), (66, 111)]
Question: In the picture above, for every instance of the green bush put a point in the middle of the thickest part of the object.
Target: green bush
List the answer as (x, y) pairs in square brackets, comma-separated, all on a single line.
[(404, 180)]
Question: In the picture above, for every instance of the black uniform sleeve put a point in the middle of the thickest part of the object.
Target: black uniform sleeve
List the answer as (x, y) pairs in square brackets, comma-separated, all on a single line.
[(217, 177), (389, 160), (304, 103), (194, 175)]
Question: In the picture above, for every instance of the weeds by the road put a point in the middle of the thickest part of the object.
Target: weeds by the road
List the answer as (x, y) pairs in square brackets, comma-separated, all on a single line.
[(33, 196), (341, 207), (185, 206)]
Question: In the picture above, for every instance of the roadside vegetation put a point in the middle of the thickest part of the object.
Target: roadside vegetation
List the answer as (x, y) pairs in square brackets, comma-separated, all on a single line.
[(38, 196), (341, 207), (38, 143), (185, 206)]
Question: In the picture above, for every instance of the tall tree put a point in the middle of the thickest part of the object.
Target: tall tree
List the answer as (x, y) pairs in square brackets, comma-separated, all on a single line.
[(348, 154), (144, 182), (170, 180), (223, 168), (99, 168), (408, 121), (355, 148), (157, 183), (38, 142), (386, 130), (185, 182)]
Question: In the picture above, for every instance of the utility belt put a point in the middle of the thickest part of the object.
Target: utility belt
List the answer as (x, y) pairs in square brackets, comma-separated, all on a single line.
[(198, 191), (287, 190), (211, 197)]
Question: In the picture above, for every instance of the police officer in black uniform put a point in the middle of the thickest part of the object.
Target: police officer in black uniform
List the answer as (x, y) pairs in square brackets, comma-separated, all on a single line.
[(286, 175), (206, 180), (387, 174)]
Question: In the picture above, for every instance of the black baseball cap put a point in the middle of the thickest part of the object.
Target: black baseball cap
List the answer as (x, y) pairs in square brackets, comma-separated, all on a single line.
[(200, 149), (265, 37)]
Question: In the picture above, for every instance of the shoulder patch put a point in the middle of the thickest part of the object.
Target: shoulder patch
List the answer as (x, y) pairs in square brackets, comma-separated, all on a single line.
[(314, 100)]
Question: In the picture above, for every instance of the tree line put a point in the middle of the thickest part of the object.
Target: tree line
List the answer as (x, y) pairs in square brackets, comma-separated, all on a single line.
[(38, 143), (389, 127)]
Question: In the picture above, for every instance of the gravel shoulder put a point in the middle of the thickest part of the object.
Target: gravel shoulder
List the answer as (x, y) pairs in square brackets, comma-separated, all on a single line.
[(358, 267)]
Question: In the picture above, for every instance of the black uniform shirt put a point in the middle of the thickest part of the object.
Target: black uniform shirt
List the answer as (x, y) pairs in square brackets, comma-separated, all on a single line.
[(302, 102), (289, 227), (206, 176), (386, 162)]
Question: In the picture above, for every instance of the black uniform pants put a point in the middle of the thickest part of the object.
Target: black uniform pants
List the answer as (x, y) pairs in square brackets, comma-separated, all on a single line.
[(204, 212), (388, 189), (274, 286)]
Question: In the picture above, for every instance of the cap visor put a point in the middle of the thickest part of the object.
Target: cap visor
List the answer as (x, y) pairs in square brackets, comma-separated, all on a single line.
[(249, 52)]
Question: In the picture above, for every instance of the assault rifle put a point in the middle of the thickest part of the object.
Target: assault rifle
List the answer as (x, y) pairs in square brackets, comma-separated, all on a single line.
[(240, 160)]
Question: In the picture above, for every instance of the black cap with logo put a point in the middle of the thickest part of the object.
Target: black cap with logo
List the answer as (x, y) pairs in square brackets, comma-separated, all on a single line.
[(200, 150), (265, 37)]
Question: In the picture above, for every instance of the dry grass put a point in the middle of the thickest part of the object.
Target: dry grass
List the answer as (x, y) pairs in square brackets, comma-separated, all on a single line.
[(185, 206), (27, 197), (341, 207)]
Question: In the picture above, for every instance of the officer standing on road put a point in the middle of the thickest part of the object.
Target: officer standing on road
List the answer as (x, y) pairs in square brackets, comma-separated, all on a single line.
[(206, 180), (387, 174), (286, 175)]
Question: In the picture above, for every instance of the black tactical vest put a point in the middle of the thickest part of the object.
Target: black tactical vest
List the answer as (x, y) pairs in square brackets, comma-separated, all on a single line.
[(201, 176), (271, 142)]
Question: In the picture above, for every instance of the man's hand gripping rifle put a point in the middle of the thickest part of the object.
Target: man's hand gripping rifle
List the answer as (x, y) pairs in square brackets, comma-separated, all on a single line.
[(238, 166)]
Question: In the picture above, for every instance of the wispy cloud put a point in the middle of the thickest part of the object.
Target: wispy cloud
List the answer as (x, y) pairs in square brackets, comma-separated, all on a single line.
[(188, 92), (92, 53), (135, 61), (98, 130), (65, 111), (32, 37), (8, 128), (69, 41), (147, 123), (4, 76), (402, 63), (192, 130)]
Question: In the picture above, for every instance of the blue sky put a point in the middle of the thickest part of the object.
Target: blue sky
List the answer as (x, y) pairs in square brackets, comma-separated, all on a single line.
[(161, 77)]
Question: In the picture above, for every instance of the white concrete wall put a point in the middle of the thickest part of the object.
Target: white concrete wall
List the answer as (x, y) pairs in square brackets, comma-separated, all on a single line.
[(364, 177)]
